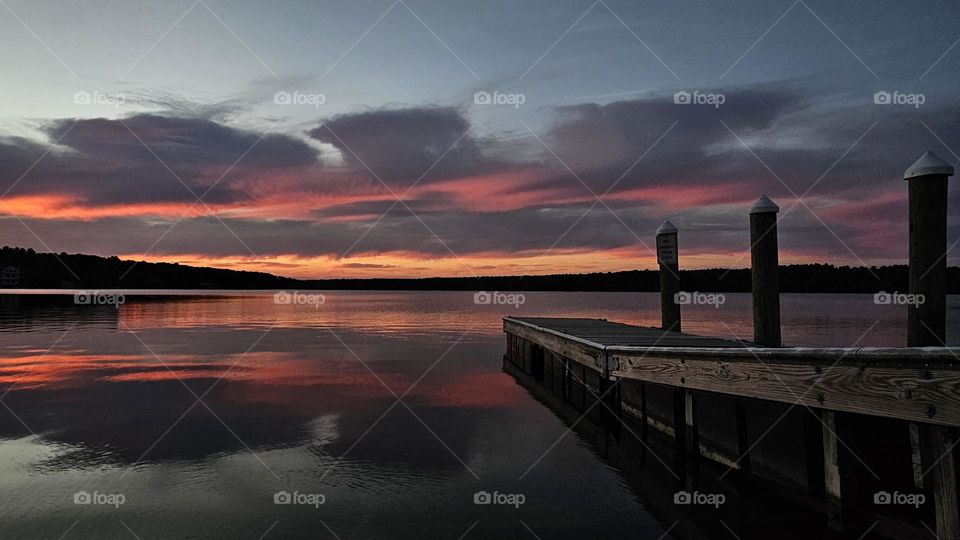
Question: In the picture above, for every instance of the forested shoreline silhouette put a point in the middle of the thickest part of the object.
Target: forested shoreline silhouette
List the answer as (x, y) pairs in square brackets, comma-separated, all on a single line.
[(76, 271)]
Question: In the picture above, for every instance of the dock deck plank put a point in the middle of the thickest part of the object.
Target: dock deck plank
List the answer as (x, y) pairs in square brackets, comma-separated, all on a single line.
[(614, 334)]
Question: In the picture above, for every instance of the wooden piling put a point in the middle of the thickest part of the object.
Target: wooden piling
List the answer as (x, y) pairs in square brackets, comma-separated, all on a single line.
[(927, 185), (927, 321), (668, 261), (765, 272)]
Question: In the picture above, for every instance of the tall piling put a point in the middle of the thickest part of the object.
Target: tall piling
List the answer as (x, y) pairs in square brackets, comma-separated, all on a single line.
[(765, 272), (927, 317)]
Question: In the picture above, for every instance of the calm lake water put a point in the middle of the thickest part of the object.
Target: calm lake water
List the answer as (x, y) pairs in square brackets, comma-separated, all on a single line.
[(184, 417)]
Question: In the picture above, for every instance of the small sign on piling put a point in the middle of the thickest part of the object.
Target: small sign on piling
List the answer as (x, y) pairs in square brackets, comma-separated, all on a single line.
[(668, 262), (667, 248)]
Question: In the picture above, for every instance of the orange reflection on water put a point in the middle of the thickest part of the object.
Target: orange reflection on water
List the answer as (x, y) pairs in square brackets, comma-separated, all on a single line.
[(473, 390), (64, 370)]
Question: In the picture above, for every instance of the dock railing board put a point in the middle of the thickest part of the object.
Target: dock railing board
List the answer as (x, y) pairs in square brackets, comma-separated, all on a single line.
[(920, 384)]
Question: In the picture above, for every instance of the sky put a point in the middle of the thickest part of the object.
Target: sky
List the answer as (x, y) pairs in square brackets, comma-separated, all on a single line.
[(404, 138)]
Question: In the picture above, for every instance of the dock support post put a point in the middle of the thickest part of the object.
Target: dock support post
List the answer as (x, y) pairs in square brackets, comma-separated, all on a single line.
[(917, 457), (927, 320), (680, 423), (643, 410), (668, 260), (831, 470), (690, 424), (814, 452), (743, 437), (765, 272), (684, 423), (944, 481)]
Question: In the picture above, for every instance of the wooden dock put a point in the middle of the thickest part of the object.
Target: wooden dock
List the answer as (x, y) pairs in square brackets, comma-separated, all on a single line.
[(920, 384), (835, 410), (916, 390)]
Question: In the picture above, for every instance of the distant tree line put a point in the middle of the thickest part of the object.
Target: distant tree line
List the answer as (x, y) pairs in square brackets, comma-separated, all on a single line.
[(54, 271), (48, 270)]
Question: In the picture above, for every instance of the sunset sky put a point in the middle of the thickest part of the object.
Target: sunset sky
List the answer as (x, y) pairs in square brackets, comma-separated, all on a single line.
[(161, 131)]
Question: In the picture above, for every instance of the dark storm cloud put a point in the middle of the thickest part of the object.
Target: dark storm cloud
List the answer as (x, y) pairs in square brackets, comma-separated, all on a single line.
[(182, 141), (602, 142), (591, 136), (797, 132), (400, 145), (103, 161)]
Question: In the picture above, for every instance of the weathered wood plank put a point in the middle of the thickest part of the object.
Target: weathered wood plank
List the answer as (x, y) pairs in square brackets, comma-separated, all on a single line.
[(919, 384), (743, 437), (944, 473), (604, 333), (917, 394), (690, 424), (910, 357), (579, 351), (916, 455), (831, 471)]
